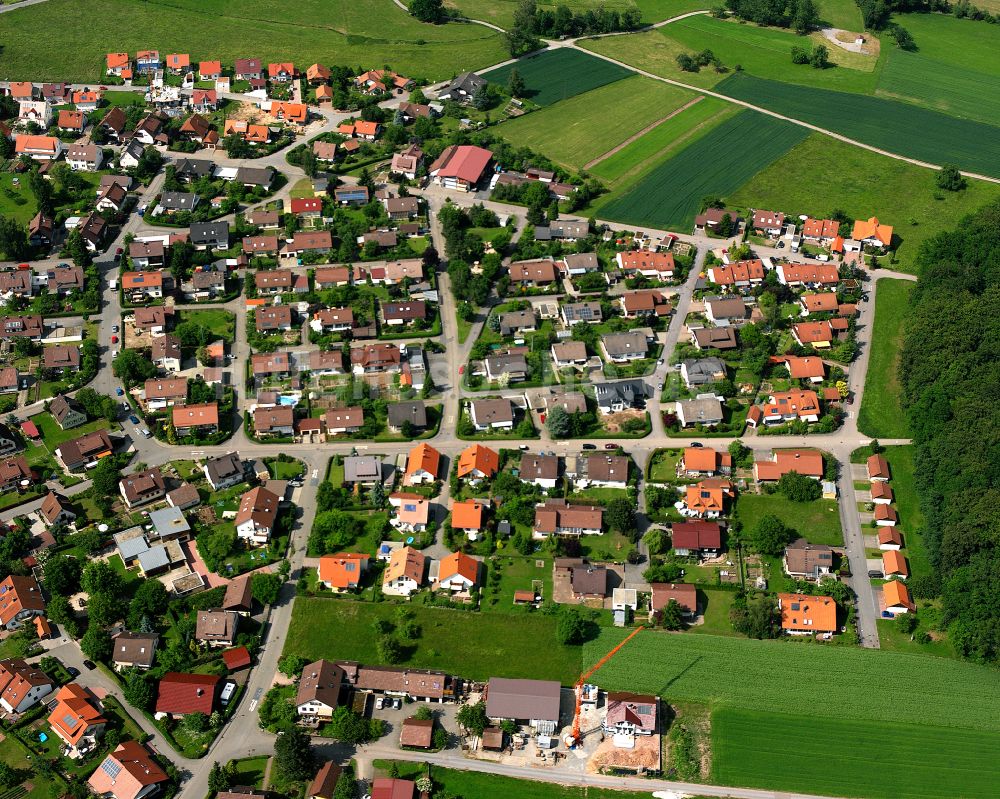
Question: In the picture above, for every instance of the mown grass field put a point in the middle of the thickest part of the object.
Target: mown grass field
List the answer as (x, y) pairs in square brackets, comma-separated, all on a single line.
[(839, 757), (953, 69), (765, 52), (907, 503), (827, 682), (881, 412), (17, 202), (572, 134), (555, 75), (689, 124), (887, 124), (474, 645), (668, 196), (817, 521), (842, 14), (222, 323), (501, 12), (63, 40), (862, 183)]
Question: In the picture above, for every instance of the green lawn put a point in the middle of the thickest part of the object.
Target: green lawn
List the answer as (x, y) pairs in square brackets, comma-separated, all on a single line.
[(14, 754), (907, 504), (670, 194), (862, 183), (692, 123), (717, 605), (875, 759), (517, 573), (887, 124), (221, 323), (554, 75), (53, 435), (817, 521), (250, 770), (16, 202), (881, 412), (571, 134), (43, 43), (841, 14), (599, 494), (474, 645), (478, 785), (663, 465), (285, 470)]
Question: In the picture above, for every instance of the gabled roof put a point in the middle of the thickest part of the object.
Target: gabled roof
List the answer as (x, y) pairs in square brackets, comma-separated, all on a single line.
[(479, 458), (343, 570), (896, 594), (181, 693), (467, 515), (458, 564), (405, 562)]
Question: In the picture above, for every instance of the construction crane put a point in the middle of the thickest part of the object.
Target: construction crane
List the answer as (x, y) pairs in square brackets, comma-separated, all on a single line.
[(574, 738)]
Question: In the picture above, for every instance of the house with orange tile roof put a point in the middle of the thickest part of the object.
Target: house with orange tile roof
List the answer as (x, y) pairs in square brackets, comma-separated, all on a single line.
[(885, 516), (422, 465), (872, 233), (281, 72), (705, 461), (290, 112), (818, 335), (40, 148), (738, 274), (878, 468), (118, 63), (76, 718), (130, 772), (209, 70), (20, 601), (786, 406), (881, 493), (894, 564), (404, 575), (822, 231), (803, 614), (317, 74), (889, 538), (178, 63), (469, 516), (412, 512), (896, 597), (802, 461), (809, 368), (811, 275), (457, 573), (477, 462), (343, 571), (708, 499)]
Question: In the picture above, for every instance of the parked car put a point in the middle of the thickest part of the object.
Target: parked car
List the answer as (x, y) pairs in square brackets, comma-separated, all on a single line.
[(523, 447), (114, 328), (73, 671), (875, 574), (611, 446), (145, 432), (120, 391), (590, 446), (89, 664), (114, 339), (133, 419)]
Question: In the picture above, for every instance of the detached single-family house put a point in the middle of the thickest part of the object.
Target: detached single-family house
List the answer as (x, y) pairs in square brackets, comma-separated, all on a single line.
[(808, 561), (492, 414), (257, 514), (404, 575)]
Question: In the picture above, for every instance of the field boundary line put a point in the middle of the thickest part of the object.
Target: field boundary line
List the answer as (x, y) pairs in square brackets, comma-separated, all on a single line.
[(644, 131), (776, 115), (627, 179)]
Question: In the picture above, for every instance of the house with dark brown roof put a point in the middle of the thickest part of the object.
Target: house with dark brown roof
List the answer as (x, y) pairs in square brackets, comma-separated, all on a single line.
[(61, 356), (142, 487), (318, 692), (216, 627), (133, 650)]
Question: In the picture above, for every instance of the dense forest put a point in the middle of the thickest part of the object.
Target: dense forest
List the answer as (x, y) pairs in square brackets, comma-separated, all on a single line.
[(950, 370)]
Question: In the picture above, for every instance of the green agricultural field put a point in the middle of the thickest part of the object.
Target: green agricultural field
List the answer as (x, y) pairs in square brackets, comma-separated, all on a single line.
[(876, 759), (474, 645), (817, 521), (555, 75), (691, 123), (862, 183), (888, 124), (45, 43), (765, 52), (571, 133), (669, 195), (501, 12), (828, 682), (881, 409)]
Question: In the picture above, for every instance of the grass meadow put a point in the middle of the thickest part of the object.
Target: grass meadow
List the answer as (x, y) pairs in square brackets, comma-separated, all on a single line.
[(817, 521), (822, 174), (554, 75), (501, 12), (887, 124), (668, 196), (881, 412), (842, 757), (765, 52), (63, 40), (570, 133), (473, 645), (953, 69)]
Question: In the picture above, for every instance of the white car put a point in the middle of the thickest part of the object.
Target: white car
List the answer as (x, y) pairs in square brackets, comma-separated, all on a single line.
[(115, 354)]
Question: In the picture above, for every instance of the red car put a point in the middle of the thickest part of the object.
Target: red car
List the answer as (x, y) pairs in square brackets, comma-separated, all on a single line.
[(114, 339)]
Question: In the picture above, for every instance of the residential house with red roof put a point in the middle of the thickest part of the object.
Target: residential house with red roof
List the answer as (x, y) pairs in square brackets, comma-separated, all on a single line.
[(179, 694), (130, 772)]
